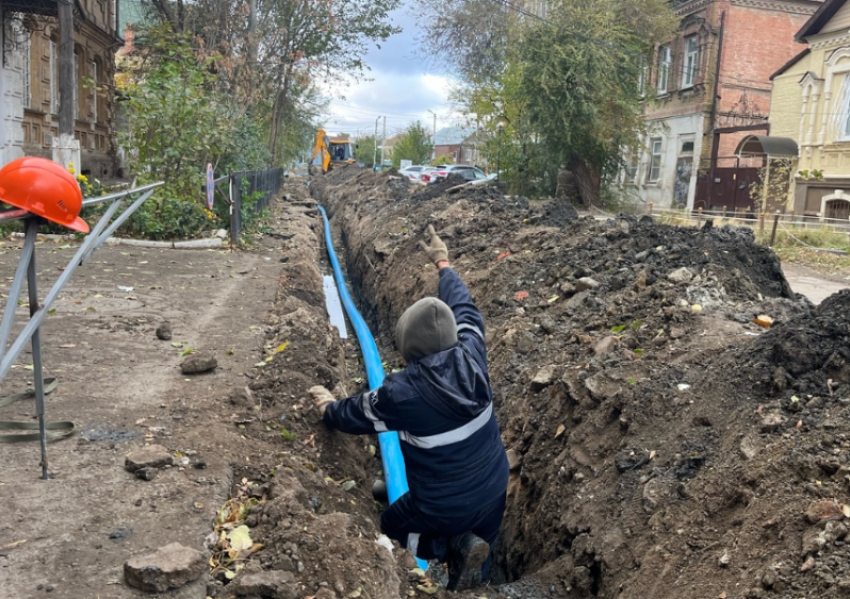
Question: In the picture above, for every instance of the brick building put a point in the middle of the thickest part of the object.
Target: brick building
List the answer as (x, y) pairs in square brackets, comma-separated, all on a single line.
[(687, 159), (460, 144), (30, 82)]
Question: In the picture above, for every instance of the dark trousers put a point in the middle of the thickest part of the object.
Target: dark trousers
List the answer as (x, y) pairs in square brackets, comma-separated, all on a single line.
[(427, 536)]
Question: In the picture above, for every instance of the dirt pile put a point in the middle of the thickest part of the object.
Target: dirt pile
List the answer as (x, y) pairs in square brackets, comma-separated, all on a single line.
[(666, 444)]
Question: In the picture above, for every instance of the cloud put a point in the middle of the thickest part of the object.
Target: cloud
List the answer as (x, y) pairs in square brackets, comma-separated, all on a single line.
[(400, 87)]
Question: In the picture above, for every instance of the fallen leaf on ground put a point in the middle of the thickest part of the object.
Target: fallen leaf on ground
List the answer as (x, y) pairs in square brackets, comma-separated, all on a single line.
[(560, 431), (13, 545)]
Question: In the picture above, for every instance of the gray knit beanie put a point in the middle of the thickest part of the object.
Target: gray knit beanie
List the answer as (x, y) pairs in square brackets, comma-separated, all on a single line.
[(426, 327)]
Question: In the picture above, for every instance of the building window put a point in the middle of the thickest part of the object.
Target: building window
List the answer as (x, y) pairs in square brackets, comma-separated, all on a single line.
[(665, 61), (27, 72), (54, 88), (689, 68), (654, 160)]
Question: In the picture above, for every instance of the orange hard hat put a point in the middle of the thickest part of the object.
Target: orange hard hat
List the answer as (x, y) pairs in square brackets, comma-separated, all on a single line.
[(44, 188)]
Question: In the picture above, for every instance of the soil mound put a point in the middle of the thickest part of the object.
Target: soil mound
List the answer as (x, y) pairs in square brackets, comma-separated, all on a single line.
[(665, 443)]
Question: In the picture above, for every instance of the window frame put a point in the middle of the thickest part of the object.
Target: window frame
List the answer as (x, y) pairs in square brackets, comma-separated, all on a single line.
[(690, 62), (94, 76), (663, 68), (656, 160)]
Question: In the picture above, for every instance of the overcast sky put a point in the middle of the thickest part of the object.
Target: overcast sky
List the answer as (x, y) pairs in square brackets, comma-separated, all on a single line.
[(402, 87)]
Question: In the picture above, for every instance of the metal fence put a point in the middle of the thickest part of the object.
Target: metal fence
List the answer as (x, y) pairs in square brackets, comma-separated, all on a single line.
[(241, 187)]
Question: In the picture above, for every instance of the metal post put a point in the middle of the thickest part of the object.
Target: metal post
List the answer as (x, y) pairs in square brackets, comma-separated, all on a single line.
[(773, 232), (37, 367), (383, 142), (761, 222), (15, 291), (234, 234), (651, 207), (375, 153), (498, 152)]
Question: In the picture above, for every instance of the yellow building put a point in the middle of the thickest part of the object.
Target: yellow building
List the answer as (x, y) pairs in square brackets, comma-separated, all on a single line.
[(810, 103)]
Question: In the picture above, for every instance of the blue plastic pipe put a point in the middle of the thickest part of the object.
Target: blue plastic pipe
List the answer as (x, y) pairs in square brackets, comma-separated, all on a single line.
[(391, 457)]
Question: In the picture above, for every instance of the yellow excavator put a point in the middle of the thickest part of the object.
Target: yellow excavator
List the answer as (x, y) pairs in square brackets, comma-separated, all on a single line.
[(329, 152)]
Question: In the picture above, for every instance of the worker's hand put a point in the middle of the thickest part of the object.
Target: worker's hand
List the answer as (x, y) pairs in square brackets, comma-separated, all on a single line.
[(322, 397), (435, 248)]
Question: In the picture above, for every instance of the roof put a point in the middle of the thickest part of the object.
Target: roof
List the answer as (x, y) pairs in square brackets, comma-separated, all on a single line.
[(453, 136), (790, 63), (765, 145), (819, 20)]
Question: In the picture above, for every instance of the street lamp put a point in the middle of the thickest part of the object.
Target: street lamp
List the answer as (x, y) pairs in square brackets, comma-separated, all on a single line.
[(498, 152), (434, 138)]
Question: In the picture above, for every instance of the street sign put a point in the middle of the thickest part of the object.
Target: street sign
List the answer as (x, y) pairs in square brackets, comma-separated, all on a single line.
[(210, 186), (405, 163)]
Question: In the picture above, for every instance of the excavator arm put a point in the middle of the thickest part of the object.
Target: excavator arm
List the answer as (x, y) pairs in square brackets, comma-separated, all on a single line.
[(320, 150)]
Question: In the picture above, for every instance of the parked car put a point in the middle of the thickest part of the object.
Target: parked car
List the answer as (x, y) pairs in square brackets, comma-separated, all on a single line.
[(412, 172), (469, 173)]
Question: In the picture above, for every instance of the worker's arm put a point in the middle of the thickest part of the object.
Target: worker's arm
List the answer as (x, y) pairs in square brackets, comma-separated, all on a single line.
[(452, 289), (370, 412)]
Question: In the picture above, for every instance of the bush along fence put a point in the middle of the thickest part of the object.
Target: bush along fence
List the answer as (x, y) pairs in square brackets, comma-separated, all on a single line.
[(248, 193)]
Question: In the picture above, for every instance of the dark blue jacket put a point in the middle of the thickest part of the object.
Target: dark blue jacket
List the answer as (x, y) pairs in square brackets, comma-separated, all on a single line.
[(442, 408)]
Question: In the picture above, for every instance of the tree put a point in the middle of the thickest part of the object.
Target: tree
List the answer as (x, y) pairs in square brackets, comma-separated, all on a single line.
[(414, 145), (566, 88), (271, 56), (364, 151)]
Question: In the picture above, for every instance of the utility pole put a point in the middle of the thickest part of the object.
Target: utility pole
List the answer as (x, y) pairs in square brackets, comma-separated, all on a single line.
[(383, 142), (434, 137), (66, 149), (375, 155)]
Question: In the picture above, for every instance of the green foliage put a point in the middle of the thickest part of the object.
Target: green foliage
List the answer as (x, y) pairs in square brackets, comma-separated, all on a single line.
[(364, 153), (414, 144), (441, 160), (567, 91), (178, 121)]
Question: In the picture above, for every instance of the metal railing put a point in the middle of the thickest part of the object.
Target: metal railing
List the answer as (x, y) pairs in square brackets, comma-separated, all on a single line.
[(266, 182)]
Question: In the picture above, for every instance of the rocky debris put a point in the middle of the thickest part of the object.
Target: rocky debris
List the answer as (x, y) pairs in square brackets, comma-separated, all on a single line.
[(163, 331), (198, 363), (605, 345), (148, 457), (514, 460), (680, 275), (169, 567), (146, 473), (544, 377), (268, 584), (586, 283), (827, 509)]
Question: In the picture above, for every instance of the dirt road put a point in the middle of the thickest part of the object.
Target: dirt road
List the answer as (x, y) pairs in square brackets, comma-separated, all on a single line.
[(811, 283), (121, 385)]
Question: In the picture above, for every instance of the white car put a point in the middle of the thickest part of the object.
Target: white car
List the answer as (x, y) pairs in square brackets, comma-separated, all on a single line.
[(412, 172), (469, 173)]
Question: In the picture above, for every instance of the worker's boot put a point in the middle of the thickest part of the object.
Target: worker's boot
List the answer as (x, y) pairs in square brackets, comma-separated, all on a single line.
[(467, 553)]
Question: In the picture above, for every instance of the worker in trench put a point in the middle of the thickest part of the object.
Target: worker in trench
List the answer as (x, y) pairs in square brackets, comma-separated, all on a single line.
[(442, 407)]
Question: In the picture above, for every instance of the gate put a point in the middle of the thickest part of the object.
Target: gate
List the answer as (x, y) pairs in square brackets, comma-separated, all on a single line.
[(731, 187)]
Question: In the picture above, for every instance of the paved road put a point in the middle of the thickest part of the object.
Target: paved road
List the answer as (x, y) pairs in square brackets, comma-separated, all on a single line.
[(812, 284)]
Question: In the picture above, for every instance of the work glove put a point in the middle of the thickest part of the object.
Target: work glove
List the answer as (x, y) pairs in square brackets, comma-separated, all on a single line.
[(322, 397), (435, 248)]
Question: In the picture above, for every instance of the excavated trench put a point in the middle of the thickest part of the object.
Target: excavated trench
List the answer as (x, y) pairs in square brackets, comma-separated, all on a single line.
[(664, 443)]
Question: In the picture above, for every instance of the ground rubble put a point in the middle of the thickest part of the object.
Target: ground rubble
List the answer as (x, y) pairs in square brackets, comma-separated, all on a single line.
[(664, 441)]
